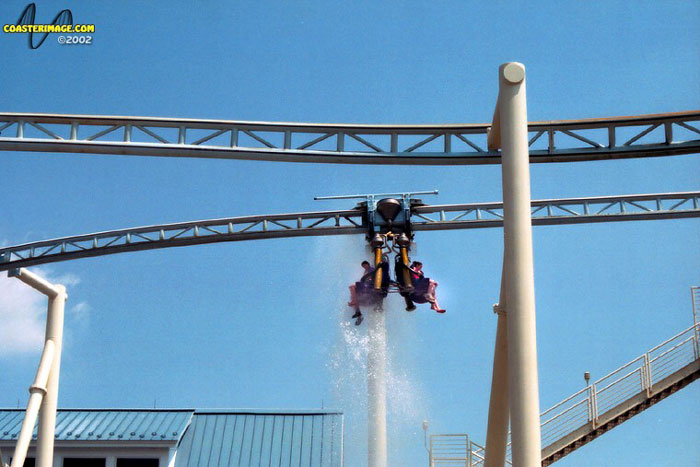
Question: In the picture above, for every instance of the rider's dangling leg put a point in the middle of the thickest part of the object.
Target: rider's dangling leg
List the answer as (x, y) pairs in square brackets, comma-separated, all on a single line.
[(431, 297), (410, 306)]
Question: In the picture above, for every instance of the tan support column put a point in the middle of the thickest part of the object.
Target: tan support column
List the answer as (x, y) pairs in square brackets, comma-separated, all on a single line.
[(47, 413), (44, 390), (497, 431), (519, 270)]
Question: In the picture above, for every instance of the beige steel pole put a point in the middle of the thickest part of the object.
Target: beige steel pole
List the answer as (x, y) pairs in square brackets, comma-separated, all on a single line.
[(497, 431), (376, 390), (47, 413), (44, 390), (37, 392), (519, 270)]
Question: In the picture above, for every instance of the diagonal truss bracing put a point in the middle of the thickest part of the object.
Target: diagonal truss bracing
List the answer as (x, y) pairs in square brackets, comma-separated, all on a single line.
[(562, 211), (463, 216), (555, 141)]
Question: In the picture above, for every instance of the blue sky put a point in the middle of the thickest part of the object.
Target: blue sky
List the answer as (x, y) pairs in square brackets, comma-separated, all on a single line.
[(260, 324)]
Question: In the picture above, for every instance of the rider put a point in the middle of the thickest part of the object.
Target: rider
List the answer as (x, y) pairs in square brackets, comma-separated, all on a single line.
[(368, 276), (418, 276)]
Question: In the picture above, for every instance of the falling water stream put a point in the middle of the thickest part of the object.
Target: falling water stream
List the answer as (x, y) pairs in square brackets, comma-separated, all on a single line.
[(374, 382), (376, 389)]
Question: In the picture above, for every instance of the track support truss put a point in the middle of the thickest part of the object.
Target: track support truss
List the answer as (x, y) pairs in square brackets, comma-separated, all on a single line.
[(438, 217), (556, 141)]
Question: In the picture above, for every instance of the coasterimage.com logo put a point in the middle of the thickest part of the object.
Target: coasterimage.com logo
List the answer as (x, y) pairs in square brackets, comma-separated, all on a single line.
[(62, 24)]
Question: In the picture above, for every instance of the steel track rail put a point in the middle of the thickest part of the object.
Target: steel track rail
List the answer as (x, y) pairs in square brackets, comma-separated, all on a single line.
[(554, 141), (425, 218)]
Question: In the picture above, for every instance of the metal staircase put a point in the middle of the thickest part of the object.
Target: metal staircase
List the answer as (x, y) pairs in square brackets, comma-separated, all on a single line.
[(604, 404), (620, 395)]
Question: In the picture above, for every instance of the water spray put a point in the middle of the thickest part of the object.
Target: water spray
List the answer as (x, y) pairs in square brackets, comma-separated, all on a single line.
[(386, 217)]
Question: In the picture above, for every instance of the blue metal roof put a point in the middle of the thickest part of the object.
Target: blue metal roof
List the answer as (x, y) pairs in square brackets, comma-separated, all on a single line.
[(105, 424), (262, 438), (311, 438)]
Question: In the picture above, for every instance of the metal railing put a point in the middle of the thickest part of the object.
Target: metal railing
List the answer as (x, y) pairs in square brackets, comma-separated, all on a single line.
[(598, 403), (552, 141), (635, 378), (695, 296), (477, 455), (449, 450), (456, 451)]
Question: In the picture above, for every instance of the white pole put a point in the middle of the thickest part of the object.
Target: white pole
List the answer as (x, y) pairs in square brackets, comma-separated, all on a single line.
[(497, 431), (52, 353), (376, 390), (519, 271), (37, 392), (36, 282), (47, 414)]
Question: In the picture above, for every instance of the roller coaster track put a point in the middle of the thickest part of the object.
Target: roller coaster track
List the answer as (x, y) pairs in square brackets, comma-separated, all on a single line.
[(566, 426), (424, 218), (555, 141)]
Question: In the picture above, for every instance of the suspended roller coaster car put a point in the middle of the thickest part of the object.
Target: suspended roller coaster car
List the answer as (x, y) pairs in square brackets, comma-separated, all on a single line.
[(389, 231), (412, 289)]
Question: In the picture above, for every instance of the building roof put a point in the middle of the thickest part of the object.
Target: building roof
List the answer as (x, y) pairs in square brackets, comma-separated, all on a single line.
[(105, 424), (206, 437), (262, 438)]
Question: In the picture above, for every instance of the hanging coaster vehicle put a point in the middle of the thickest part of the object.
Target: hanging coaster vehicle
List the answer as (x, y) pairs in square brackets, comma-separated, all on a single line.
[(389, 231)]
